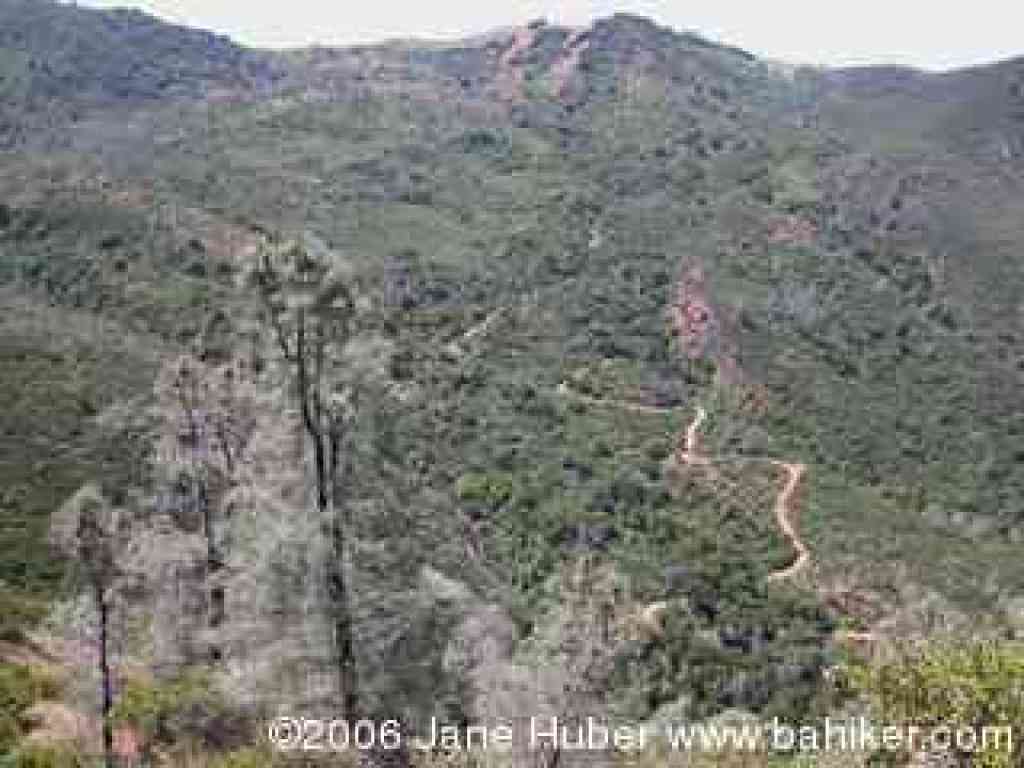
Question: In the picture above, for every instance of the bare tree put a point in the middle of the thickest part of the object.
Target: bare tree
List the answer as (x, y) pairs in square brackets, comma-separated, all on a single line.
[(310, 311), (88, 530)]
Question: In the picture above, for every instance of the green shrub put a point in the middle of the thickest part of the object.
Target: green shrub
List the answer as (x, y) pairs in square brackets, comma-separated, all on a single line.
[(489, 489), (41, 756), (975, 685), (20, 687), (171, 711), (247, 757), (263, 757), (17, 613), (10, 732)]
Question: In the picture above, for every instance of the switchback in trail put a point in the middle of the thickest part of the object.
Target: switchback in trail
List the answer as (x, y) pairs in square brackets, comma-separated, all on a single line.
[(688, 453)]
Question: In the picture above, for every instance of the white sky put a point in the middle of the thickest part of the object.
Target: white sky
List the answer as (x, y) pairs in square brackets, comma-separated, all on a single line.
[(936, 34)]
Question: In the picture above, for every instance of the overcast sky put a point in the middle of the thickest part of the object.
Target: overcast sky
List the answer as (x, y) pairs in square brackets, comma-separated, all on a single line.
[(931, 34)]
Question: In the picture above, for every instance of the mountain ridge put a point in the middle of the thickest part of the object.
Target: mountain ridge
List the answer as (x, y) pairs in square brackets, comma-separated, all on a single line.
[(823, 265)]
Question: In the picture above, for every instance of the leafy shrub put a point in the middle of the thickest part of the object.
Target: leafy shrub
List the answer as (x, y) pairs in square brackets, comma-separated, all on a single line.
[(247, 757), (20, 687), (489, 489), (41, 756), (16, 614), (975, 686), (244, 758), (184, 709)]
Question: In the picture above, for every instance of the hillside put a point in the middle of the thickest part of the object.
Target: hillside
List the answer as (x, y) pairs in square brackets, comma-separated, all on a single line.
[(556, 248), (59, 62)]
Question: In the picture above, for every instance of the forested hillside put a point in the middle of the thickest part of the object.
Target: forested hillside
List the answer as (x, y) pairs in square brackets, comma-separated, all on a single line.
[(599, 371)]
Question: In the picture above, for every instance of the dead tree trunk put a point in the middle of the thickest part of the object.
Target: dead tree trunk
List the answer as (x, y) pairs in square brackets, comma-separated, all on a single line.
[(86, 529), (103, 610), (305, 339)]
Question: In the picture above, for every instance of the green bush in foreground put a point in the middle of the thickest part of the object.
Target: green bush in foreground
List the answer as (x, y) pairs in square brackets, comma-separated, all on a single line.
[(41, 756), (977, 686), (17, 613), (20, 687), (171, 712)]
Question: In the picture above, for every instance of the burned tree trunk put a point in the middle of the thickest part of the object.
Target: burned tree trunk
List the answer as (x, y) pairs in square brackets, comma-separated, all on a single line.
[(103, 610), (336, 582), (309, 319), (87, 530)]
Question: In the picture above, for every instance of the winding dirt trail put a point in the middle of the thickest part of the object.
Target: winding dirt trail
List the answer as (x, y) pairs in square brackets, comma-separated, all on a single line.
[(785, 512), (784, 516), (688, 453)]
